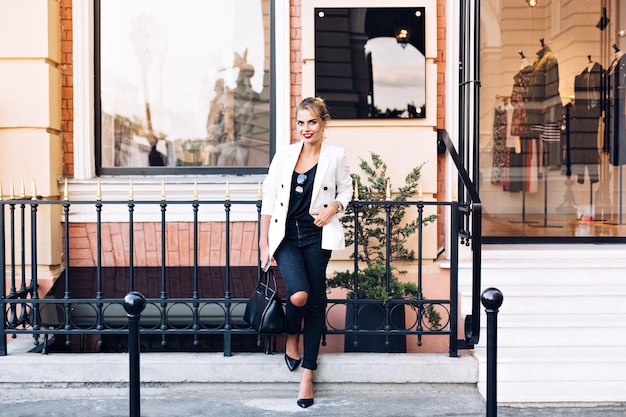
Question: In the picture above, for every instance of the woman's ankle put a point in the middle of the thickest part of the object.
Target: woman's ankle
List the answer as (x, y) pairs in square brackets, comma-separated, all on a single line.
[(292, 346)]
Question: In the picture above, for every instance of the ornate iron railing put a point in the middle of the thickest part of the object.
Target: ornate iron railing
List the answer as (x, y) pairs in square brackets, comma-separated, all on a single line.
[(194, 315)]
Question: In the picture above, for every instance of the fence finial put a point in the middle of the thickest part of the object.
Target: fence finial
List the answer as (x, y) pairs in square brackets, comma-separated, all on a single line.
[(195, 190), (356, 189), (227, 197), (33, 189), (162, 189), (11, 191), (260, 192), (130, 193), (388, 191), (66, 193), (22, 190), (0, 190), (99, 190)]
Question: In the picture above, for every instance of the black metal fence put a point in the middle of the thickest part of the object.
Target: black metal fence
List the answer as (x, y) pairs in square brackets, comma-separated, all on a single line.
[(27, 313), (195, 316)]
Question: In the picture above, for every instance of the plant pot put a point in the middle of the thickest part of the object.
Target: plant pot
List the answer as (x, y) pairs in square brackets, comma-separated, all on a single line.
[(372, 317)]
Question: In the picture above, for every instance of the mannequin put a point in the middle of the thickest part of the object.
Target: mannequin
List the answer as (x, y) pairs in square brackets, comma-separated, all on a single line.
[(616, 116), (585, 114), (545, 114), (545, 109)]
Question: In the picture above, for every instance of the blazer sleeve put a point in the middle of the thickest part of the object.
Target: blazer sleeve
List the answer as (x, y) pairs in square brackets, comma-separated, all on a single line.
[(343, 180)]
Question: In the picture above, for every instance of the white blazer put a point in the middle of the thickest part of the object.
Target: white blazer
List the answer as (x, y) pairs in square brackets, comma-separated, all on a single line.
[(332, 183)]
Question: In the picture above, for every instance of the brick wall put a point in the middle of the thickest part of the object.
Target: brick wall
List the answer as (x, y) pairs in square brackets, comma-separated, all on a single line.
[(441, 116), (295, 48), (147, 246), (67, 90)]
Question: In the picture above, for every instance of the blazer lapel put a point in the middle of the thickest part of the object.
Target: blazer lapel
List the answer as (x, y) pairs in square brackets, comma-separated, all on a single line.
[(292, 160), (320, 174)]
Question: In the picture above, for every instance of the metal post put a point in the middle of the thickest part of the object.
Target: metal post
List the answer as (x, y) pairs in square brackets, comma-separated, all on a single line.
[(134, 303), (492, 300)]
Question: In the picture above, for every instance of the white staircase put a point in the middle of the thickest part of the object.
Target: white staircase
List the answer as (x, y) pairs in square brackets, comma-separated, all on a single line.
[(562, 325)]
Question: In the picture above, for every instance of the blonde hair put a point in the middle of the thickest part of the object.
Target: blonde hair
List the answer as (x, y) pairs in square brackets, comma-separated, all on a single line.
[(315, 105)]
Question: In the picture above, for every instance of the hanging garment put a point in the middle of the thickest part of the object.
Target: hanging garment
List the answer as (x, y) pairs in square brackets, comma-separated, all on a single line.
[(551, 140), (519, 99), (544, 101), (499, 138), (616, 114), (522, 162), (584, 115)]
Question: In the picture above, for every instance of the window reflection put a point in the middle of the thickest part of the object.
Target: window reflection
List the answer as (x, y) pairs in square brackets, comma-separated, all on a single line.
[(184, 83), (370, 63), (397, 73)]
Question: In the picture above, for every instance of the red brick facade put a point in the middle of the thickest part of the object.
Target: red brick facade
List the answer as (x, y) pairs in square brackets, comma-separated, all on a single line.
[(147, 249), (148, 235), (67, 89)]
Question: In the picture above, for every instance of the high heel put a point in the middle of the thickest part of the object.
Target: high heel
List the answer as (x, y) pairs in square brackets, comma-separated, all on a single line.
[(292, 364), (305, 402)]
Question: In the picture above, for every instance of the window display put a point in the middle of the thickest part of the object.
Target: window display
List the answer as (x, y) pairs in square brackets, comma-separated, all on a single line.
[(553, 144)]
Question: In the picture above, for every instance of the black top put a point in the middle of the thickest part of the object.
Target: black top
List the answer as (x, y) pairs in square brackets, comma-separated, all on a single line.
[(301, 192)]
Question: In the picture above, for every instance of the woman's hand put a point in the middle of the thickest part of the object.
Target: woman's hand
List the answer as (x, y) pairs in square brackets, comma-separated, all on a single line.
[(265, 257), (324, 215)]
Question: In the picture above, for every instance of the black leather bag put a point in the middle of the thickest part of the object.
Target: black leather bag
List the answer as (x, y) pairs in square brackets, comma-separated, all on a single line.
[(264, 311)]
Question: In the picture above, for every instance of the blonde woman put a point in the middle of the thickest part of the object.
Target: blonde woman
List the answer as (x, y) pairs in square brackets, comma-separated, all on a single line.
[(307, 185)]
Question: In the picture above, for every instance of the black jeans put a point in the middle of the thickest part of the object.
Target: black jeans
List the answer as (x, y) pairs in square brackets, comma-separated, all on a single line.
[(302, 263)]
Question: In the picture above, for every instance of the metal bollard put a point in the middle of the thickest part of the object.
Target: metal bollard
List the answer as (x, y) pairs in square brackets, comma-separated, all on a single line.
[(492, 300), (134, 303)]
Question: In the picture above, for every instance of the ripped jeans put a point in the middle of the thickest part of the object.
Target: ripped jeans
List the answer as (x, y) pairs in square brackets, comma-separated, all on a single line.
[(302, 263)]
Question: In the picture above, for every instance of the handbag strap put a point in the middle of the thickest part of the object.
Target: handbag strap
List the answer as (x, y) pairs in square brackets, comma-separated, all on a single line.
[(268, 276)]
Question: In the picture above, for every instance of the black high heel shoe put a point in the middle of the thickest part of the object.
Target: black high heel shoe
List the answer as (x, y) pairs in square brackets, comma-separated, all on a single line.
[(292, 364), (305, 402)]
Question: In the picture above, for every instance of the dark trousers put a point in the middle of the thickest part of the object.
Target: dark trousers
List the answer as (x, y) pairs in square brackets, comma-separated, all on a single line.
[(302, 263)]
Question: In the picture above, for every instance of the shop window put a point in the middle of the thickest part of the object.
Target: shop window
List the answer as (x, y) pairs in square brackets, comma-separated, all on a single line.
[(370, 62), (183, 86), (553, 136)]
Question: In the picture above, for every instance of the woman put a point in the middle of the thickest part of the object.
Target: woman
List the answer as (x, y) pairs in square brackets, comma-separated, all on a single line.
[(308, 183)]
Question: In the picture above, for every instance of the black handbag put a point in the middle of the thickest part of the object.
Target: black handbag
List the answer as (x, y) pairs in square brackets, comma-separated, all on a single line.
[(264, 311)]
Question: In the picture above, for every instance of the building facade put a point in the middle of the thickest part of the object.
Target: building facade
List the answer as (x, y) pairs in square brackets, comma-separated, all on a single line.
[(104, 96)]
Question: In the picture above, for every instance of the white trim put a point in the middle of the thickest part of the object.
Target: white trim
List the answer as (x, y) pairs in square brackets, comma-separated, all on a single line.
[(452, 103), (82, 43), (211, 191), (282, 32)]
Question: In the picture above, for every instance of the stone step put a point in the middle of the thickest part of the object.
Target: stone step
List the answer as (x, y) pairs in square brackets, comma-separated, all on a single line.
[(21, 367)]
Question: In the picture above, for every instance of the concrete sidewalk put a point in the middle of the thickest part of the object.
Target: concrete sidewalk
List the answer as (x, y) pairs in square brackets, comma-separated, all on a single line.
[(239, 400), (253, 384)]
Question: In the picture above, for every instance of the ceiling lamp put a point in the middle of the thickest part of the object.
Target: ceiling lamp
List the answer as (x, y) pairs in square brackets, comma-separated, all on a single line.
[(402, 36), (532, 3)]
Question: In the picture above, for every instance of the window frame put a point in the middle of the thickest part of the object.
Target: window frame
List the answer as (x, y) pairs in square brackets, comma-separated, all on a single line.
[(179, 170)]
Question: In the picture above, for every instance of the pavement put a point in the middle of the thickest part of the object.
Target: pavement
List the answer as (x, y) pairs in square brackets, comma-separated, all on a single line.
[(235, 400), (254, 384)]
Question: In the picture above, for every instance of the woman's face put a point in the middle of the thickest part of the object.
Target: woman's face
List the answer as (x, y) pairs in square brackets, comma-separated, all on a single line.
[(309, 128)]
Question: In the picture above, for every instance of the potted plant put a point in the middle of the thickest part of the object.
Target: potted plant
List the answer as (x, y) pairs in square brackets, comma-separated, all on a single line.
[(372, 279)]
